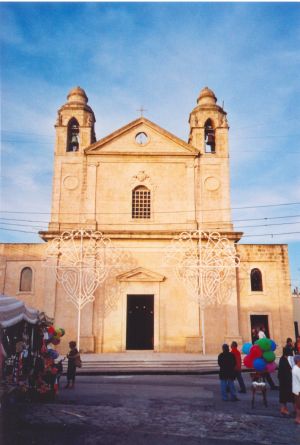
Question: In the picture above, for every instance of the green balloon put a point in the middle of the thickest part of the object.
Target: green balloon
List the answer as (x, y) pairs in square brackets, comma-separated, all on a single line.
[(269, 356), (264, 344)]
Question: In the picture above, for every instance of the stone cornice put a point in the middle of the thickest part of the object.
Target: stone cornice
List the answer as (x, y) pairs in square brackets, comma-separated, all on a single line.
[(142, 153), (141, 234), (208, 108)]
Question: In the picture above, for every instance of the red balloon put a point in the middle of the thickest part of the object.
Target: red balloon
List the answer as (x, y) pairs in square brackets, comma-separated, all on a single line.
[(51, 330), (256, 352), (248, 361), (55, 341)]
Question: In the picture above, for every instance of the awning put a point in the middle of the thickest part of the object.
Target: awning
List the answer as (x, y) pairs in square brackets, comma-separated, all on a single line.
[(12, 311)]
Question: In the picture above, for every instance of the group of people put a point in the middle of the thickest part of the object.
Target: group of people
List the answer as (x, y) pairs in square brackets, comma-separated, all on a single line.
[(230, 364), (258, 333), (289, 377)]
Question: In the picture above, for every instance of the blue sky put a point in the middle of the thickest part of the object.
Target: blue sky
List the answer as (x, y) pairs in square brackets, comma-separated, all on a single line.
[(159, 55)]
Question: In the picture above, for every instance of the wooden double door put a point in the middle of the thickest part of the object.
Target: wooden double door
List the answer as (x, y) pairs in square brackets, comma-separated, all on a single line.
[(140, 322)]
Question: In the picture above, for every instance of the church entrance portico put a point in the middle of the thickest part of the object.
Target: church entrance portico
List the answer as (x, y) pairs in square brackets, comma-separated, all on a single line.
[(140, 322), (141, 326)]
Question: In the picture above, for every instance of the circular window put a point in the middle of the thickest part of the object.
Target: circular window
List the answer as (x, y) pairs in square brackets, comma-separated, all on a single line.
[(141, 138)]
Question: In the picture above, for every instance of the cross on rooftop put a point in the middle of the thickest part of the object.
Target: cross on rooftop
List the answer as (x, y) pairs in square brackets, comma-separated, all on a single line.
[(141, 110)]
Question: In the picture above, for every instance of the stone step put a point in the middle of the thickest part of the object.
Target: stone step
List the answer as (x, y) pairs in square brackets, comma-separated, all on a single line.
[(100, 366)]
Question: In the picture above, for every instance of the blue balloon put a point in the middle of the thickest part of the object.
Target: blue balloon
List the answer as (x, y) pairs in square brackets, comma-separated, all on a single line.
[(54, 354), (246, 348), (259, 364), (273, 345)]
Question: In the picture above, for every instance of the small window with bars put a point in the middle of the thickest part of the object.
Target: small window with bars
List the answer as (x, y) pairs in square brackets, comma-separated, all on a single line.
[(141, 203)]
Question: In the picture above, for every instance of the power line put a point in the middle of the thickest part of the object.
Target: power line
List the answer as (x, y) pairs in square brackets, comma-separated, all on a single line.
[(232, 134), (244, 235), (166, 212), (266, 137), (223, 222), (272, 234), (263, 152), (14, 230), (25, 133), (268, 225), (26, 142), (153, 224), (21, 225)]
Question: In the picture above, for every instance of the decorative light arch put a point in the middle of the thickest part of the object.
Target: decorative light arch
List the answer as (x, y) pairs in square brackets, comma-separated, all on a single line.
[(204, 262)]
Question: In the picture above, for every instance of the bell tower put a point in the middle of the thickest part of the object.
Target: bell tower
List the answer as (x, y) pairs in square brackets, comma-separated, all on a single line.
[(75, 130), (209, 134), (75, 125)]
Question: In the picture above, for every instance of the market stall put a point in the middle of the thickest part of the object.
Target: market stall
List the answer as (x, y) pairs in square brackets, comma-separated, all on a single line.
[(28, 358)]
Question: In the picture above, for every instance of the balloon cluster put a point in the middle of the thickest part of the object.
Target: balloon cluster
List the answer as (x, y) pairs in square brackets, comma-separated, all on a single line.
[(260, 356), (54, 335), (51, 353)]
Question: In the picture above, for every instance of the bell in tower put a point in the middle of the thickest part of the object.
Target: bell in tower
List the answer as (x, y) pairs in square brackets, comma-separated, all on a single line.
[(209, 137), (73, 135), (207, 122)]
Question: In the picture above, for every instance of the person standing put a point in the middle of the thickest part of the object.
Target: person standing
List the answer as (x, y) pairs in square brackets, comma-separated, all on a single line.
[(285, 381), (289, 347), (296, 386), (254, 335), (72, 356), (297, 346), (238, 366), (261, 332), (227, 373), (267, 376)]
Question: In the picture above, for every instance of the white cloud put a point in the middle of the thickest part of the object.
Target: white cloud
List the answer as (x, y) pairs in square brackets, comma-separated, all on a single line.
[(159, 56)]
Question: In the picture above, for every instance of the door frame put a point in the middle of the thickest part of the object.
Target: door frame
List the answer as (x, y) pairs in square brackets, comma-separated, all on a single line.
[(268, 314), (135, 288), (151, 298)]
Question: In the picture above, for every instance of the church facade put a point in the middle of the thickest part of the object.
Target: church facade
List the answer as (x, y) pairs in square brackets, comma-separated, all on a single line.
[(141, 186)]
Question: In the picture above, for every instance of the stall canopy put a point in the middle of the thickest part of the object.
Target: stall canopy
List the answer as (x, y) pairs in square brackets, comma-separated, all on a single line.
[(12, 311)]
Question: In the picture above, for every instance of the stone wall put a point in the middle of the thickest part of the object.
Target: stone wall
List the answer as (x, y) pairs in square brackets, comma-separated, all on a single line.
[(275, 299)]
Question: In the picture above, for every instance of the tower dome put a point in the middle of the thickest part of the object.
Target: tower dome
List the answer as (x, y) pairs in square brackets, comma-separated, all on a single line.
[(207, 97), (78, 95)]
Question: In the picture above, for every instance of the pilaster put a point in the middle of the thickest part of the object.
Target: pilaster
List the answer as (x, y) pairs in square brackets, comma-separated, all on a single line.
[(90, 201)]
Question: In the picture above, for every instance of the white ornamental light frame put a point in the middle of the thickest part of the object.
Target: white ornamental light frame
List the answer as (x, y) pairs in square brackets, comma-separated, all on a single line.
[(203, 261), (84, 260)]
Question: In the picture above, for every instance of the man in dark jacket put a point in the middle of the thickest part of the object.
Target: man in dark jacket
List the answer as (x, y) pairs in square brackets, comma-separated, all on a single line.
[(226, 361)]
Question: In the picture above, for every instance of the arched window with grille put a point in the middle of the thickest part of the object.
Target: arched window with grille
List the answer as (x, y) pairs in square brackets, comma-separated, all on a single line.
[(256, 280), (26, 280), (209, 137), (141, 203), (73, 135)]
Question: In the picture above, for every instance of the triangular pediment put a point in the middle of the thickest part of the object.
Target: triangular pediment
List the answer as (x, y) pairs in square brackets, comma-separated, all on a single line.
[(140, 274), (159, 141)]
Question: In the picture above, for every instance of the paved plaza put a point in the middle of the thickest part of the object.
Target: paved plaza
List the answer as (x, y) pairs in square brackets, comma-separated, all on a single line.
[(149, 409)]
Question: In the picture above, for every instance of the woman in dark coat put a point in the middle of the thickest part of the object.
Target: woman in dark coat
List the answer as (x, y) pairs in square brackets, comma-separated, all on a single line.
[(285, 382)]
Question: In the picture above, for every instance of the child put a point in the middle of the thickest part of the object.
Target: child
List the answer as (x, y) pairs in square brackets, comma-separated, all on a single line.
[(71, 371)]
